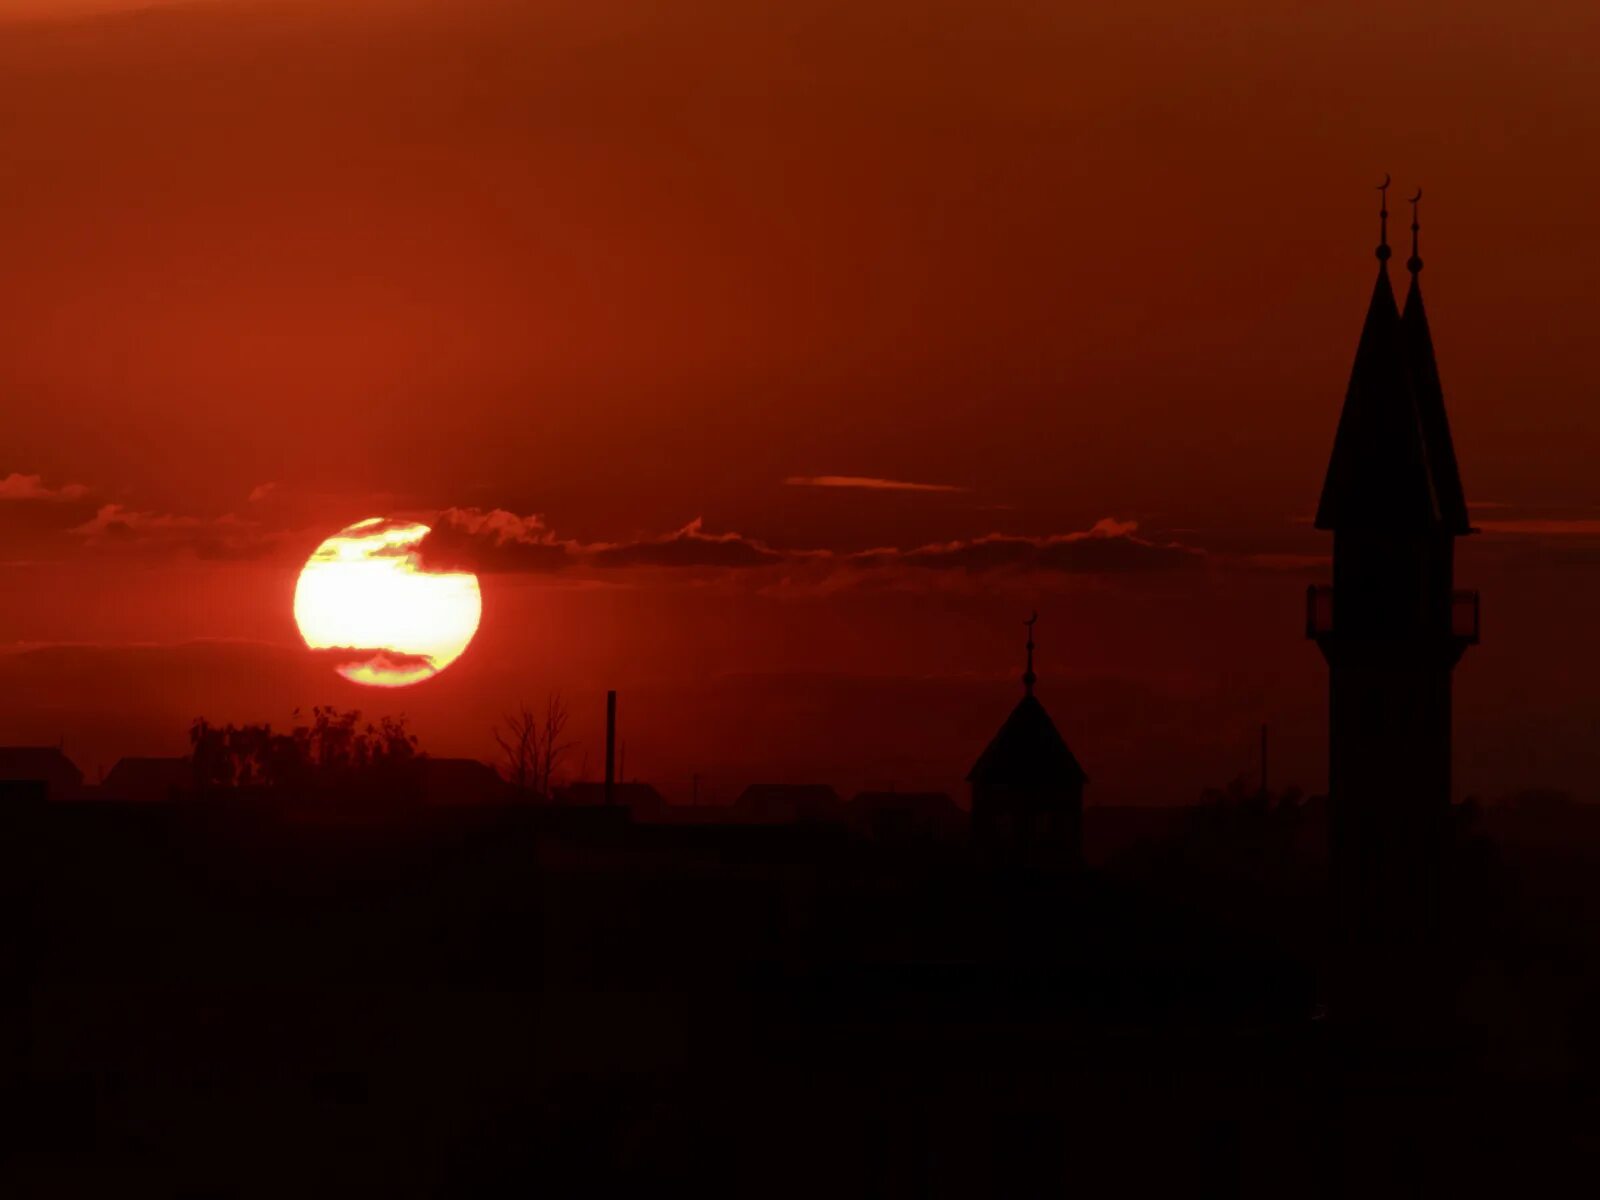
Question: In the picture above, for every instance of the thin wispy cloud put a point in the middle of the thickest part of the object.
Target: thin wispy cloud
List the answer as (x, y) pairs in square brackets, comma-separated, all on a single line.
[(1545, 526), (869, 483), (497, 540)]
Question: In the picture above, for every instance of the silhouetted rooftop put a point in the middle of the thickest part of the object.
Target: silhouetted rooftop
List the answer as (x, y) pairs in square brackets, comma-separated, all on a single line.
[(1029, 751), (136, 778), (907, 800), (46, 763), (789, 802), (888, 815), (636, 797)]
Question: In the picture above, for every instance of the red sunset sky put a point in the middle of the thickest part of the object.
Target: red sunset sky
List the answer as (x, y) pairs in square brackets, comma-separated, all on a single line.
[(600, 286)]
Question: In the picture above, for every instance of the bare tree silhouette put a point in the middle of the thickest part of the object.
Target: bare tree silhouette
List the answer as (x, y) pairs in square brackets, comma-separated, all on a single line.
[(334, 749), (533, 747), (517, 736)]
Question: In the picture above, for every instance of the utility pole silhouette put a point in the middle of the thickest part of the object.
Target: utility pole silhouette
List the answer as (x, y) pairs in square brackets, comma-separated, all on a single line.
[(1263, 760), (611, 747)]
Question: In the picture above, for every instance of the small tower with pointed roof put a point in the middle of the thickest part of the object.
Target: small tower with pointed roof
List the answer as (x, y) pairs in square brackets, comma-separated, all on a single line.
[(1393, 626), (1027, 788)]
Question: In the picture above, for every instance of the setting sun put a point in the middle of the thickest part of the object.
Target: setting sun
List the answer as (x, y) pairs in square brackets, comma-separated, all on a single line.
[(364, 591)]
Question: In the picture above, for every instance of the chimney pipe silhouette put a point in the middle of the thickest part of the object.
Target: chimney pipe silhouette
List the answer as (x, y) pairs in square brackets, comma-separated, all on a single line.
[(611, 746)]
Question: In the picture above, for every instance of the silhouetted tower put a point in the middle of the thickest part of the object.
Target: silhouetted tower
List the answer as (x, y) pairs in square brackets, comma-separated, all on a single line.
[(1027, 788), (1392, 626)]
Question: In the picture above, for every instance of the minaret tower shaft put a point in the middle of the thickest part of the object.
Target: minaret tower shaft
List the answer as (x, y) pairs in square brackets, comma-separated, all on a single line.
[(1393, 625)]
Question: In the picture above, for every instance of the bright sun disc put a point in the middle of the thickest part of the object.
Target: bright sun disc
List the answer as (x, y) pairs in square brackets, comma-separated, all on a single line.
[(365, 592)]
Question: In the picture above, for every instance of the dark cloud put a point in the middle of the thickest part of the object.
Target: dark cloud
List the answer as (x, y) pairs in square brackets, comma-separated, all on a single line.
[(370, 656), (1109, 547), (224, 538), (499, 541), (690, 546), (470, 539), (496, 540)]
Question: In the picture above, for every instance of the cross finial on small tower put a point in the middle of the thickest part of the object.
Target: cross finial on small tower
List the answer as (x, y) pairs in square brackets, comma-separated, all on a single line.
[(1028, 677), (1414, 263), (1383, 219)]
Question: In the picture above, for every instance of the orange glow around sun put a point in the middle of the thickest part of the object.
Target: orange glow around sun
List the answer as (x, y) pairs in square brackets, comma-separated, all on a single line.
[(364, 591)]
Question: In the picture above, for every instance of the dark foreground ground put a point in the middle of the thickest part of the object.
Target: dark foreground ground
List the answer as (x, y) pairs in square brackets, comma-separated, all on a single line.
[(255, 1002)]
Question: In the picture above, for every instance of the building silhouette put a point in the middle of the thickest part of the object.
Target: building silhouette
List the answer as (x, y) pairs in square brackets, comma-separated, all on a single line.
[(1393, 625), (42, 769), (789, 804), (894, 818), (641, 800), (1027, 789), (459, 781), (148, 780)]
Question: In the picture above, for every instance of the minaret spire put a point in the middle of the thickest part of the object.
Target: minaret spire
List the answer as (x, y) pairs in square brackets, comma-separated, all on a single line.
[(1417, 343), (1414, 263), (1379, 472), (1383, 219), (1028, 677)]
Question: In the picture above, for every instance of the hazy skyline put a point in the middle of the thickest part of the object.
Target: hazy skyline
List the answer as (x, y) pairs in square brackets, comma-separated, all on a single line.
[(1082, 286)]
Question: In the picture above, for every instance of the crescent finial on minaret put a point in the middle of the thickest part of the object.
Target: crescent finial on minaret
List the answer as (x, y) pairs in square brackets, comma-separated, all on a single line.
[(1383, 219), (1414, 263)]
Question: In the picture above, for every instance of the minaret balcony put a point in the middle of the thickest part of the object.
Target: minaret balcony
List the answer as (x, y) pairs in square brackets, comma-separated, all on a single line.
[(1463, 614), (1319, 610)]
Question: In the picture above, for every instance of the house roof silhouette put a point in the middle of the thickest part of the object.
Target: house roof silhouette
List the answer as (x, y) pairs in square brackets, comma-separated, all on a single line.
[(910, 801), (785, 802), (1029, 751), (136, 778), (47, 764), (636, 797), (890, 813)]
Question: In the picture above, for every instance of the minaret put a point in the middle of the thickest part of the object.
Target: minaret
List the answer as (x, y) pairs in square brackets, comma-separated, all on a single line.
[(1392, 627)]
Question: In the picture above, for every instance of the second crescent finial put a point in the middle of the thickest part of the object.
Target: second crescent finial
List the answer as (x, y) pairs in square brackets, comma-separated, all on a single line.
[(1414, 263)]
